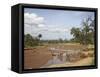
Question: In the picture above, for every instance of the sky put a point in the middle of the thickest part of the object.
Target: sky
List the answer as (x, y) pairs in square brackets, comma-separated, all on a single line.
[(53, 24)]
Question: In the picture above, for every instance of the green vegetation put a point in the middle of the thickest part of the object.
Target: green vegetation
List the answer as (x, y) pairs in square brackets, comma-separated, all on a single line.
[(85, 34), (30, 41)]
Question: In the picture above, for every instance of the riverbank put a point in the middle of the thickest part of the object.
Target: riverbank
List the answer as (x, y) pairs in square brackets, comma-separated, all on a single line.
[(83, 62)]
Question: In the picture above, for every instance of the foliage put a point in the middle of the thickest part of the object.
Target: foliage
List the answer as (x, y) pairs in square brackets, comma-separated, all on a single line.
[(85, 34), (30, 41), (39, 36), (55, 41)]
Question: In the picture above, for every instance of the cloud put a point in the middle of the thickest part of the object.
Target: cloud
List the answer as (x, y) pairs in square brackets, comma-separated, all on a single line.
[(54, 29), (59, 30), (41, 25), (33, 19)]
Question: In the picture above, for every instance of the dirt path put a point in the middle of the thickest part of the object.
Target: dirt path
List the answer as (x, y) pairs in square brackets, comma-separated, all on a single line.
[(36, 58)]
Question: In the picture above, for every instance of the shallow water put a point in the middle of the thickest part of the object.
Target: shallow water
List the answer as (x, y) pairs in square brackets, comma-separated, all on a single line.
[(54, 60), (60, 59)]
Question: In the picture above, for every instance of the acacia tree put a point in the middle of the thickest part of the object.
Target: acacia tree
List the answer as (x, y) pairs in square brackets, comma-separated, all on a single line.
[(92, 29), (85, 34), (76, 34)]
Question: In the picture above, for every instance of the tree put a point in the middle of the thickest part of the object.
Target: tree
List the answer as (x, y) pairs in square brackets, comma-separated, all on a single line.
[(92, 29), (85, 34), (88, 29), (30, 41), (76, 34), (60, 40), (39, 36)]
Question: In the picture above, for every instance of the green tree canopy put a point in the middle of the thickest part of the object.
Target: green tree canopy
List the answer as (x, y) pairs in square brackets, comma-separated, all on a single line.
[(85, 34), (30, 41)]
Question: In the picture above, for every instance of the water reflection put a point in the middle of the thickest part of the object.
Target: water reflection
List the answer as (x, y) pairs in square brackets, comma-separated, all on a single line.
[(60, 56)]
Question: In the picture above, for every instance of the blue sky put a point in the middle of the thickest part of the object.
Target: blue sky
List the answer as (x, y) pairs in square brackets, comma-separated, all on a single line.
[(53, 24)]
